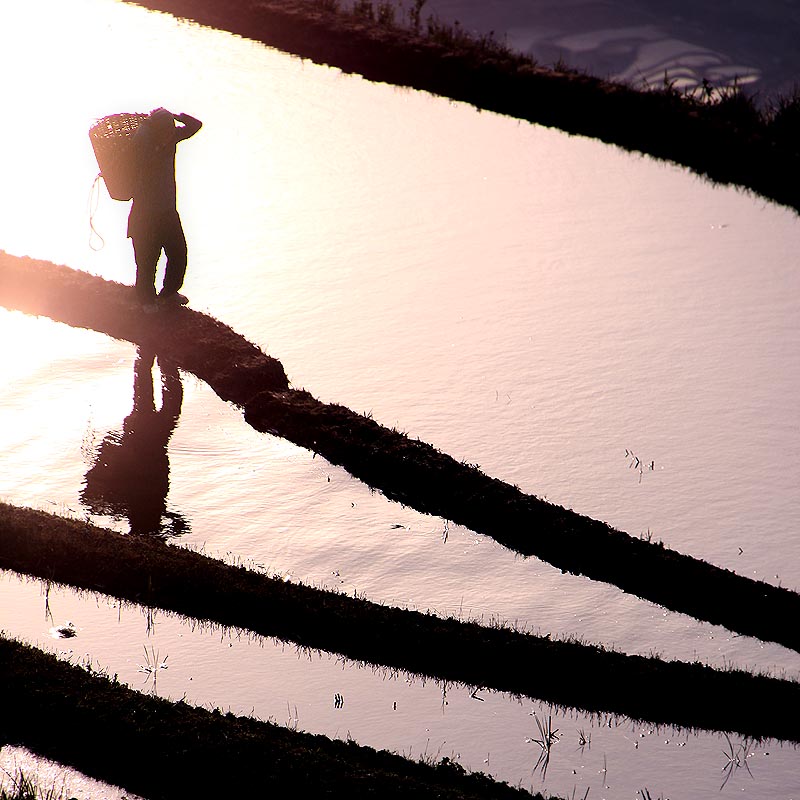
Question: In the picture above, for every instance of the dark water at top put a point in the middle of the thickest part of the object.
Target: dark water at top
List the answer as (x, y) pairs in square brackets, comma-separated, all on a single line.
[(644, 42)]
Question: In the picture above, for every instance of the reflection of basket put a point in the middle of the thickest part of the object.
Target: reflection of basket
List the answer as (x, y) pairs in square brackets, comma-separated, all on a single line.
[(111, 140)]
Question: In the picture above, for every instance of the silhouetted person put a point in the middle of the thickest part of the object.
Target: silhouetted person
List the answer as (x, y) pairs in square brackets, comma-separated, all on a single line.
[(153, 223), (130, 477)]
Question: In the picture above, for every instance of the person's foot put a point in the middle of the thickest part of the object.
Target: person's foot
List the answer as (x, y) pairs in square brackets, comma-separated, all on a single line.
[(144, 300), (173, 299)]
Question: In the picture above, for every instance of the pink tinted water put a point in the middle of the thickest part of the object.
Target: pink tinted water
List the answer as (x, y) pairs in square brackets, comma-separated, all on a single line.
[(548, 307)]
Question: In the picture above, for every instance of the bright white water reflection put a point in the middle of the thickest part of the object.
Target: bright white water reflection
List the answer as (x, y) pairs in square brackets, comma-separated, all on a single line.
[(542, 305)]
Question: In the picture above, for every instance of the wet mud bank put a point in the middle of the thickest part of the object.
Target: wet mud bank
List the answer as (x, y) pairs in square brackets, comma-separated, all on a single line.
[(197, 343), (404, 469), (160, 749), (725, 140), (416, 474), (150, 572)]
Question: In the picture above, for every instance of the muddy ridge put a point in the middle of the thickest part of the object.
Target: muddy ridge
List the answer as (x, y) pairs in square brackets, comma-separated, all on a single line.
[(164, 750), (404, 469), (196, 342)]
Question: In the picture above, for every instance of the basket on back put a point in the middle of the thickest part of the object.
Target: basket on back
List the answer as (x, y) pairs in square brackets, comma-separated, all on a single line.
[(111, 139)]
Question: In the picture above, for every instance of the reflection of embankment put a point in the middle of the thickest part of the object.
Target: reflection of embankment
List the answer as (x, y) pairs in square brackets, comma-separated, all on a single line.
[(726, 140), (406, 470), (150, 572), (161, 749)]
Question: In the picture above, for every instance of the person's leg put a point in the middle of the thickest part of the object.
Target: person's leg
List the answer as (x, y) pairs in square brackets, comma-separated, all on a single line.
[(176, 251), (146, 251)]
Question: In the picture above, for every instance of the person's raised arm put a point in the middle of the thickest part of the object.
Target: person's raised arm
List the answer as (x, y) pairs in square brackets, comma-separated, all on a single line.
[(190, 126)]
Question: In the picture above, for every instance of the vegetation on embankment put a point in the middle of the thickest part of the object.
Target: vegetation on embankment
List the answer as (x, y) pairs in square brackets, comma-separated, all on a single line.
[(146, 570), (719, 133), (404, 469), (23, 787), (162, 749)]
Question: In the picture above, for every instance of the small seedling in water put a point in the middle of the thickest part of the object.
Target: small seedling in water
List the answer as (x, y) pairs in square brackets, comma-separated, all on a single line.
[(735, 759), (151, 661), (638, 464), (548, 736), (293, 722), (152, 665)]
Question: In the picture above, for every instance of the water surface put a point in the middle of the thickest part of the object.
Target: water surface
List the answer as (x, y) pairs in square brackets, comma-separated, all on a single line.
[(545, 306)]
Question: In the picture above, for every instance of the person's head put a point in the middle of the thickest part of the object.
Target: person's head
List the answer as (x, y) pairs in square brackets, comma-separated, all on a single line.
[(161, 121)]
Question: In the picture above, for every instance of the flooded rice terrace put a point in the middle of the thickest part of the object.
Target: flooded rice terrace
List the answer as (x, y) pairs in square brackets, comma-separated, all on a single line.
[(603, 330)]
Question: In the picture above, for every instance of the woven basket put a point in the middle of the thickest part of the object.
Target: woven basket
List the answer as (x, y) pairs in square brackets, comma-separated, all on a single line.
[(111, 141)]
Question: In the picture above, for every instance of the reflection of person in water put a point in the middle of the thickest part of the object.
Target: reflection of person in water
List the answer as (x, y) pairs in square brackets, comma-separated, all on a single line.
[(130, 476)]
